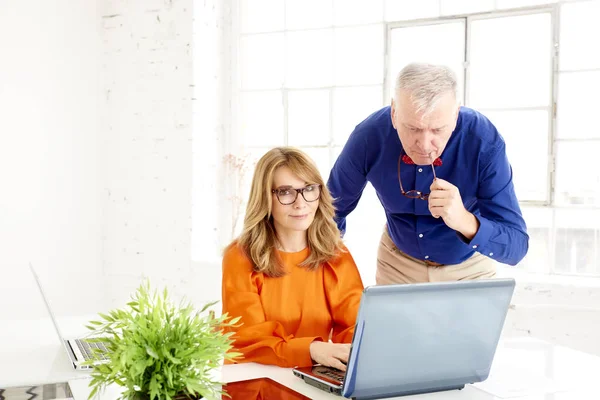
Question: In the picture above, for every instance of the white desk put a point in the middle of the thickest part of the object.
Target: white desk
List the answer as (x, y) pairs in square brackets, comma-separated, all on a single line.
[(523, 369), (30, 354)]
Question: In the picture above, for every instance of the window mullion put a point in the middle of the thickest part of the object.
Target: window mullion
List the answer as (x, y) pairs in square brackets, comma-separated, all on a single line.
[(551, 196)]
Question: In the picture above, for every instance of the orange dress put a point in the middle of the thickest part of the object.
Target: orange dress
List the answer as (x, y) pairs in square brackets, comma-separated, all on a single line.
[(282, 316)]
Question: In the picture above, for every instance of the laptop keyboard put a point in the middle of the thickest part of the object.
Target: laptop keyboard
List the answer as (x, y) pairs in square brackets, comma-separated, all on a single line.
[(86, 349), (330, 373)]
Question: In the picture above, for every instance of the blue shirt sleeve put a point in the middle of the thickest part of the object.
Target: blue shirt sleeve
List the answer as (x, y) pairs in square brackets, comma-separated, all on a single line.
[(348, 178), (502, 233)]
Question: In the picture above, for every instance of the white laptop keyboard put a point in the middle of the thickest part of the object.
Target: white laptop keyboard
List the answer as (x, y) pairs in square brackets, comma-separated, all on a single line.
[(87, 351)]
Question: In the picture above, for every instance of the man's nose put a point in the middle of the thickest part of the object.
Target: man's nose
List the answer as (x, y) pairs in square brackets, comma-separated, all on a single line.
[(425, 142)]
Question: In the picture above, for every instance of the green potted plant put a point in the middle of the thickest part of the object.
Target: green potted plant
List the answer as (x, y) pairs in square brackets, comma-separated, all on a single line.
[(160, 351)]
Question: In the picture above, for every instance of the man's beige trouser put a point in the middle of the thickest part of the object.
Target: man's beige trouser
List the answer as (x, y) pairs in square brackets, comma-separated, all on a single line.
[(394, 266)]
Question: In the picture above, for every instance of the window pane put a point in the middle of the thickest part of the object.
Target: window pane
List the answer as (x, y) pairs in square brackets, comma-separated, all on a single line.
[(511, 62), (350, 107), (309, 58), (305, 14), (320, 155), (437, 44), (262, 15), (578, 104), (577, 241), (521, 3), (261, 122), (526, 136), (366, 68), (261, 61), (579, 33), (402, 10), (577, 173), (539, 226), (455, 7), (352, 12), (308, 117)]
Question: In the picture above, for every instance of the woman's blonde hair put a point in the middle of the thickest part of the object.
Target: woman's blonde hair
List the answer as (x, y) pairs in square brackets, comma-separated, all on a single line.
[(258, 239)]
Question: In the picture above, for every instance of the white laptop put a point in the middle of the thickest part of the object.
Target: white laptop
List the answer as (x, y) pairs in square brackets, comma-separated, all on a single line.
[(419, 338), (78, 350)]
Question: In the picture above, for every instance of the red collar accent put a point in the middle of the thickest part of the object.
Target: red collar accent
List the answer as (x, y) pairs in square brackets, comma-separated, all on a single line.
[(407, 160)]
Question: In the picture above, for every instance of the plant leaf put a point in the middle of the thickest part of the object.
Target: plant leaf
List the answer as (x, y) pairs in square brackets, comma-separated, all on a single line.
[(151, 352)]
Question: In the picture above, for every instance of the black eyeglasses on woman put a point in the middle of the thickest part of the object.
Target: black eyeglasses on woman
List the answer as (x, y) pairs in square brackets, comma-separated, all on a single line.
[(288, 195)]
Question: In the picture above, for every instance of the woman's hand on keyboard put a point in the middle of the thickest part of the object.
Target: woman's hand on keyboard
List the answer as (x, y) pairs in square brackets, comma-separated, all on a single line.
[(330, 354)]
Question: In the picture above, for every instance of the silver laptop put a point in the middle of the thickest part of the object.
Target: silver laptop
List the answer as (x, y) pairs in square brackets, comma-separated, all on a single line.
[(79, 350), (420, 338)]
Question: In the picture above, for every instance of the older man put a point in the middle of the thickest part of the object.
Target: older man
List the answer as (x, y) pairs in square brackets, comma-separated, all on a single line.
[(441, 173)]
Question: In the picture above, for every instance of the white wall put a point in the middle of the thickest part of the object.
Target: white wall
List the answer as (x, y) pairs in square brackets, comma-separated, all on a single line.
[(146, 130), (50, 175), (157, 110), (97, 105)]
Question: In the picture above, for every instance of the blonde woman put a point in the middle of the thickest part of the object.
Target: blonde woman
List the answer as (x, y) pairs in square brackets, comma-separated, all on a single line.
[(288, 275)]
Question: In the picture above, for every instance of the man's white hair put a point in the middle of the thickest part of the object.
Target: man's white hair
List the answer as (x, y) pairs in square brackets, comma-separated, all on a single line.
[(426, 83)]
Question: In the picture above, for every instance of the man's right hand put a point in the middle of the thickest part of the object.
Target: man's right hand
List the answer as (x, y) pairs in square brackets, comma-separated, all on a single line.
[(330, 354)]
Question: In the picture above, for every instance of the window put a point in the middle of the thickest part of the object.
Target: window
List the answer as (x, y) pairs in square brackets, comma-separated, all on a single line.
[(510, 82), (577, 137), (302, 84), (494, 43), (309, 71)]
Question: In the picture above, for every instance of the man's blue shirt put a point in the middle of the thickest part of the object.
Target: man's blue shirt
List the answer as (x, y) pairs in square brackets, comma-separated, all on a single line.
[(474, 160)]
